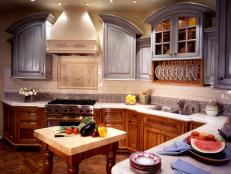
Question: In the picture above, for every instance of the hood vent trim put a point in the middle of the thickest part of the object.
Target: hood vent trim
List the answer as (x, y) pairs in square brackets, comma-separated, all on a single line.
[(72, 33), (72, 46)]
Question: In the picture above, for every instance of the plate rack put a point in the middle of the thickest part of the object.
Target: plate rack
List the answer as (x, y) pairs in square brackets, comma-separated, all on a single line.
[(182, 72)]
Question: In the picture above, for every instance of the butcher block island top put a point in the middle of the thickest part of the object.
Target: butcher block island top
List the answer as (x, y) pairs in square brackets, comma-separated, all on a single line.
[(74, 149), (74, 144)]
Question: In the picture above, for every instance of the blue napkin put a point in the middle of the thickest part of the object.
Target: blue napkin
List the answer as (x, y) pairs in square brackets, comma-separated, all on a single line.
[(183, 167), (177, 148)]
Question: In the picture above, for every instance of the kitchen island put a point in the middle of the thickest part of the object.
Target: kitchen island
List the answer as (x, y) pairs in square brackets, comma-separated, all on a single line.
[(74, 149)]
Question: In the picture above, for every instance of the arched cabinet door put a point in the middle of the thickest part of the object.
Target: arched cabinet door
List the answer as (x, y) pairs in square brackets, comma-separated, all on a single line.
[(177, 30), (119, 53), (29, 57), (119, 47)]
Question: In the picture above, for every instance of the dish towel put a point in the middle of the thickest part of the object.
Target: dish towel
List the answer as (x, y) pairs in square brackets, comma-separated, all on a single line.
[(183, 167), (177, 148)]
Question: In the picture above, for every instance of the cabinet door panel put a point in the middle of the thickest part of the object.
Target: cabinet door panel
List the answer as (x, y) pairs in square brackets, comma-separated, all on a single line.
[(144, 63), (209, 55), (223, 76), (115, 118), (9, 119), (133, 135), (168, 136), (29, 51), (119, 53), (152, 137)]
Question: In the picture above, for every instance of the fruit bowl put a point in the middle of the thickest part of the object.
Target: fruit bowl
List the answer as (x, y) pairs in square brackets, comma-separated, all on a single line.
[(130, 100)]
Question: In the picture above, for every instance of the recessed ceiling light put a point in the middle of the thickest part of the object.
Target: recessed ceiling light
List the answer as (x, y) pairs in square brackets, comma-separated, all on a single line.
[(134, 1), (32, 0), (87, 4), (111, 1), (59, 3)]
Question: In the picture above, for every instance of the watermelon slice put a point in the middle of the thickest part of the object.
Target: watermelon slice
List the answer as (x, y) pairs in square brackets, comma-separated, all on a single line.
[(207, 147)]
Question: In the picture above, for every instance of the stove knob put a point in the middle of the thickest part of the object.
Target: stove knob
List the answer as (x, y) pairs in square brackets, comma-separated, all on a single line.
[(81, 110), (71, 110), (56, 110), (65, 110), (88, 111), (49, 110)]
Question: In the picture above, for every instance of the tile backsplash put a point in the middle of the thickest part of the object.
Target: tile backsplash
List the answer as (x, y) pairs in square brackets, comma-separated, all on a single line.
[(115, 90)]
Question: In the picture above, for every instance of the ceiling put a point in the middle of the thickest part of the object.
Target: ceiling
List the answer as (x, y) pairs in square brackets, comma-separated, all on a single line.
[(99, 5)]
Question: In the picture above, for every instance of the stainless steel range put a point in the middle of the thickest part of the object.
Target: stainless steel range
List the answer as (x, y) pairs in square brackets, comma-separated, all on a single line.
[(64, 112)]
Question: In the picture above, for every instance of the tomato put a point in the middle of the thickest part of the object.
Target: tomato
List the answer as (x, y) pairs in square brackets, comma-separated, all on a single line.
[(210, 137), (75, 130), (188, 139), (195, 133), (201, 137), (68, 130)]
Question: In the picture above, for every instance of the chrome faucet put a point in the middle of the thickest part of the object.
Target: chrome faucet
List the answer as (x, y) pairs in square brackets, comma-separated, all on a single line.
[(181, 104)]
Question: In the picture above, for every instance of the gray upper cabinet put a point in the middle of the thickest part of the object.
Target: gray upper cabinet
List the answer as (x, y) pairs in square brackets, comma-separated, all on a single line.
[(29, 58), (177, 31), (119, 47), (209, 55), (223, 62), (144, 59)]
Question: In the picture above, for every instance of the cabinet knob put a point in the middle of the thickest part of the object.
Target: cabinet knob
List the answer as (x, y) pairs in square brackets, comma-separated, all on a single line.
[(221, 78)]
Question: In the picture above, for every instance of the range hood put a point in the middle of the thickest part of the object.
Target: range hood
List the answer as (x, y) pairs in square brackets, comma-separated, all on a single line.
[(73, 32)]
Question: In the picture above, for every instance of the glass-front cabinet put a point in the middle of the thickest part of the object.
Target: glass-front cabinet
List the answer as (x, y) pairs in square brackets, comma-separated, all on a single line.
[(176, 37), (188, 36), (162, 38)]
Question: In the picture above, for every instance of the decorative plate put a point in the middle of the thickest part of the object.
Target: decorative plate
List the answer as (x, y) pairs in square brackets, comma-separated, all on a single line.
[(180, 73), (157, 72), (196, 72), (145, 159), (189, 71), (166, 77), (162, 67), (170, 72), (175, 72)]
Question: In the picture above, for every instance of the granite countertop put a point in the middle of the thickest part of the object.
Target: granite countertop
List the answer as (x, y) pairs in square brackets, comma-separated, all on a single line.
[(138, 108)]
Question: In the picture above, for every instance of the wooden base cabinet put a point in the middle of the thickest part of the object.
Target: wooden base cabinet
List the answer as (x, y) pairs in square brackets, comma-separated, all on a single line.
[(19, 124), (115, 118), (9, 123), (134, 131), (158, 130), (194, 125)]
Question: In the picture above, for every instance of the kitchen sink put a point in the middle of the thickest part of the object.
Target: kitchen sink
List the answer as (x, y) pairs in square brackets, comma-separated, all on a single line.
[(169, 109)]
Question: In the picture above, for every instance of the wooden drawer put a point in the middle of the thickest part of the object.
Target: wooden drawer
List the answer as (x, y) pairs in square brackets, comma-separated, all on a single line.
[(165, 124), (28, 111)]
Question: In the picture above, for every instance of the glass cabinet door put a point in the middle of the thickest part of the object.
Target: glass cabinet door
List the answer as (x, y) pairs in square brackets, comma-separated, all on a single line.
[(162, 39), (187, 36)]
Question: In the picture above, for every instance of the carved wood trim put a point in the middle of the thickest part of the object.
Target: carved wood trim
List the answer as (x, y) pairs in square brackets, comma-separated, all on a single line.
[(180, 7), (34, 18)]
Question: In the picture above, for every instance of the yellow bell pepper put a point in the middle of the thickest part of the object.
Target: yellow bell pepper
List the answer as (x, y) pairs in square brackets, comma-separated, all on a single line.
[(102, 130)]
